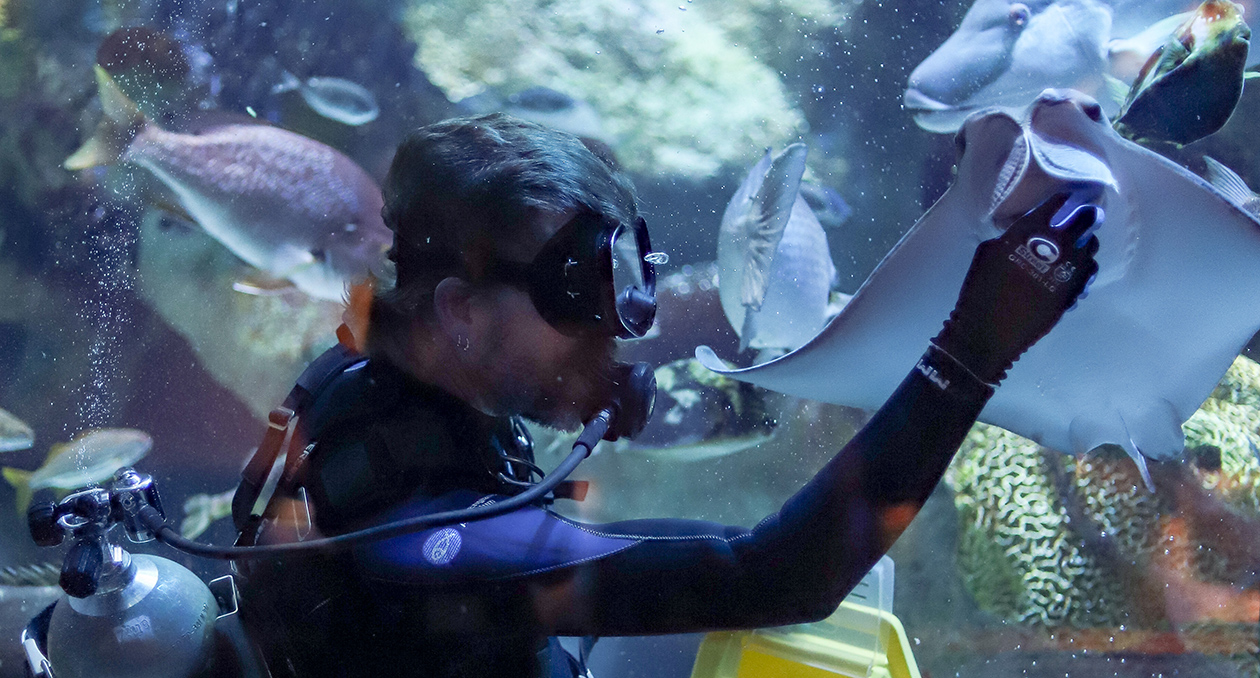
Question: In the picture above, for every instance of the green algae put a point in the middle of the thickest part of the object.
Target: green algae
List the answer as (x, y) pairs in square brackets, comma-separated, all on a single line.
[(682, 89)]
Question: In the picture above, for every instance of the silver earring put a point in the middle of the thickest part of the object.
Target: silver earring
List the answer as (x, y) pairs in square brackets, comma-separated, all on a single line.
[(462, 342)]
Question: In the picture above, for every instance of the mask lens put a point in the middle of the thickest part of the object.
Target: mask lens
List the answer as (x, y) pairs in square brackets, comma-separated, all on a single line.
[(627, 263)]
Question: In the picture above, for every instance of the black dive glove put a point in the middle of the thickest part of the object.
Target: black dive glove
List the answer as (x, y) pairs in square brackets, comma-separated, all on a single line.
[(1018, 287)]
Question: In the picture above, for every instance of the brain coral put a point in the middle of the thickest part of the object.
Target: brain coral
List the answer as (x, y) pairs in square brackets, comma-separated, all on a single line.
[(678, 91), (1052, 540)]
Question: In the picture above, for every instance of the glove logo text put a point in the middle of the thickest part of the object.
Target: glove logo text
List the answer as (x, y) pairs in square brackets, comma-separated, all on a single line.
[(1039, 252)]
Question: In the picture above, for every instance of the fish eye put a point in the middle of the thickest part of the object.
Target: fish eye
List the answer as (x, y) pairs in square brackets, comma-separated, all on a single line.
[(1019, 14), (319, 255)]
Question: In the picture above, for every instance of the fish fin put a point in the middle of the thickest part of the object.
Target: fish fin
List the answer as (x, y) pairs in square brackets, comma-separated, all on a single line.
[(747, 332), (1116, 88), (116, 106), (1139, 460), (358, 314), (773, 209), (1227, 181), (263, 285), (21, 482), (122, 122)]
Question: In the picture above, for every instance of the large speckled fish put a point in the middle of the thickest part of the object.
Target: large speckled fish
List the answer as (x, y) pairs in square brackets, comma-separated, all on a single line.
[(775, 268), (286, 204), (1191, 84)]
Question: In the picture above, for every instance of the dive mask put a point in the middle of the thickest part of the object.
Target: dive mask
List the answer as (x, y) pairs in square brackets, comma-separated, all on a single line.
[(595, 275)]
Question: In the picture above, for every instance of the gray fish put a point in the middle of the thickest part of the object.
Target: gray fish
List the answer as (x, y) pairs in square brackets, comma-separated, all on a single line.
[(14, 433), (775, 268), (1191, 85), (1006, 52), (334, 98), (91, 457), (702, 417), (1232, 187), (284, 203), (557, 110)]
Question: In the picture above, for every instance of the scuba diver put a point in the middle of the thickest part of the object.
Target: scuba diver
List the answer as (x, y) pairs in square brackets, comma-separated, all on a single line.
[(521, 258)]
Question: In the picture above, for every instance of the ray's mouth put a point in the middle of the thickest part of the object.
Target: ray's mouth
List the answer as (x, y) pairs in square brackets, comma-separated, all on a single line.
[(917, 102)]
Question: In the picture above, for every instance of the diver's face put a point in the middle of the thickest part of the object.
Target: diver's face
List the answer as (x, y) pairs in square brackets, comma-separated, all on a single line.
[(533, 369)]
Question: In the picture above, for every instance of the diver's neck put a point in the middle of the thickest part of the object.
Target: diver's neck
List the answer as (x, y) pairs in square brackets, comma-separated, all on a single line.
[(441, 363)]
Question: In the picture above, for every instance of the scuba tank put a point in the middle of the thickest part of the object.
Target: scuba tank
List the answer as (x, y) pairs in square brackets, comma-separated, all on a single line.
[(124, 615)]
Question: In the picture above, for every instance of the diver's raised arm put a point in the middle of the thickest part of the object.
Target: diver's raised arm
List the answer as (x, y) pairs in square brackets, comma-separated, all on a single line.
[(798, 564)]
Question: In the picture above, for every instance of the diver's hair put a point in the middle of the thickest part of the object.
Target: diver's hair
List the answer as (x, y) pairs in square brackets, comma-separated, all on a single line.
[(463, 190)]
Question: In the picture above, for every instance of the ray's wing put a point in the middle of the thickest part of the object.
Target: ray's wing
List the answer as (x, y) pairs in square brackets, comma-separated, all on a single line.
[(1176, 298)]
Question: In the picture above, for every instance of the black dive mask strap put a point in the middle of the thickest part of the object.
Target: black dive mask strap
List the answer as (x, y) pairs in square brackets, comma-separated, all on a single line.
[(573, 279)]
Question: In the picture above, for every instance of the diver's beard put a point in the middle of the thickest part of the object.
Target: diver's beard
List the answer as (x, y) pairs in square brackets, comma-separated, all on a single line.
[(580, 391)]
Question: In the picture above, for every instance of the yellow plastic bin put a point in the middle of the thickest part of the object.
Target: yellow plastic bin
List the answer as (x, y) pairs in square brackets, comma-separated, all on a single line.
[(861, 640)]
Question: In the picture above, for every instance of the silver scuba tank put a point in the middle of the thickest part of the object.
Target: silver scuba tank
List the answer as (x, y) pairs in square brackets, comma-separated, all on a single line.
[(122, 615)]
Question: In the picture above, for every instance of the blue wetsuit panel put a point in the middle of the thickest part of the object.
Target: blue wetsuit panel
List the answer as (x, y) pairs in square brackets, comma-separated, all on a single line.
[(526, 541)]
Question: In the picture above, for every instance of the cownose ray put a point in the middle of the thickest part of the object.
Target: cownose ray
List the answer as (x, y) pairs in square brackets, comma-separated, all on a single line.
[(1176, 298)]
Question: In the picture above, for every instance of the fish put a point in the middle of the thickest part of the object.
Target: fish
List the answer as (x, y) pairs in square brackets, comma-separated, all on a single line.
[(828, 206), (15, 434), (557, 110), (285, 204), (1176, 298), (1192, 83), (202, 510), (91, 457), (1005, 52), (334, 98), (1232, 186), (701, 415), (775, 271)]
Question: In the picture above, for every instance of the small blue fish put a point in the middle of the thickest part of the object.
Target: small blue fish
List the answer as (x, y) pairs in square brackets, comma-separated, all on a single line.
[(334, 98)]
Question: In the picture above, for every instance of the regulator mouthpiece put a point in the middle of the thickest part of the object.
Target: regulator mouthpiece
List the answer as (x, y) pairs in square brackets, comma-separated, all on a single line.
[(634, 397)]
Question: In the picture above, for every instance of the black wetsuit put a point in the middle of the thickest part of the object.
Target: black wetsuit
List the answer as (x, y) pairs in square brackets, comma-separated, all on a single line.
[(457, 601)]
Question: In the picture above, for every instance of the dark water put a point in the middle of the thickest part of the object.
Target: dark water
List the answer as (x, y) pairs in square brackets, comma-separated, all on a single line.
[(98, 328)]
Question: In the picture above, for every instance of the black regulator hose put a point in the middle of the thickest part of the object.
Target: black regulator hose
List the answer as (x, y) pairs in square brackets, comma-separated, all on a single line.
[(591, 434)]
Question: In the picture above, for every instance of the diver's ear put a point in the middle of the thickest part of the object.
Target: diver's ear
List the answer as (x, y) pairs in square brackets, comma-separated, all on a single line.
[(453, 305)]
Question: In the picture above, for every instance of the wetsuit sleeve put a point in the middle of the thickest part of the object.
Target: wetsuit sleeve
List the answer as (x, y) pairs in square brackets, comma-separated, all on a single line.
[(799, 563), (672, 576)]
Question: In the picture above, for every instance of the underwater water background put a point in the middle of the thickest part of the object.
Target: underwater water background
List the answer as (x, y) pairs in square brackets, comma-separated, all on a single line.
[(114, 312)]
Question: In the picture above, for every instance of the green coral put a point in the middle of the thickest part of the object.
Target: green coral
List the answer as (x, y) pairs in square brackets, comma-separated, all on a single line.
[(1020, 554), (1016, 554), (678, 91)]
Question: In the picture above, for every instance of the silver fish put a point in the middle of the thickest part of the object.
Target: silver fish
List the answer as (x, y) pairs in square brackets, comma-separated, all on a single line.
[(91, 457), (1232, 186), (14, 433), (775, 268), (1191, 85), (284, 203), (1006, 52), (334, 98)]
